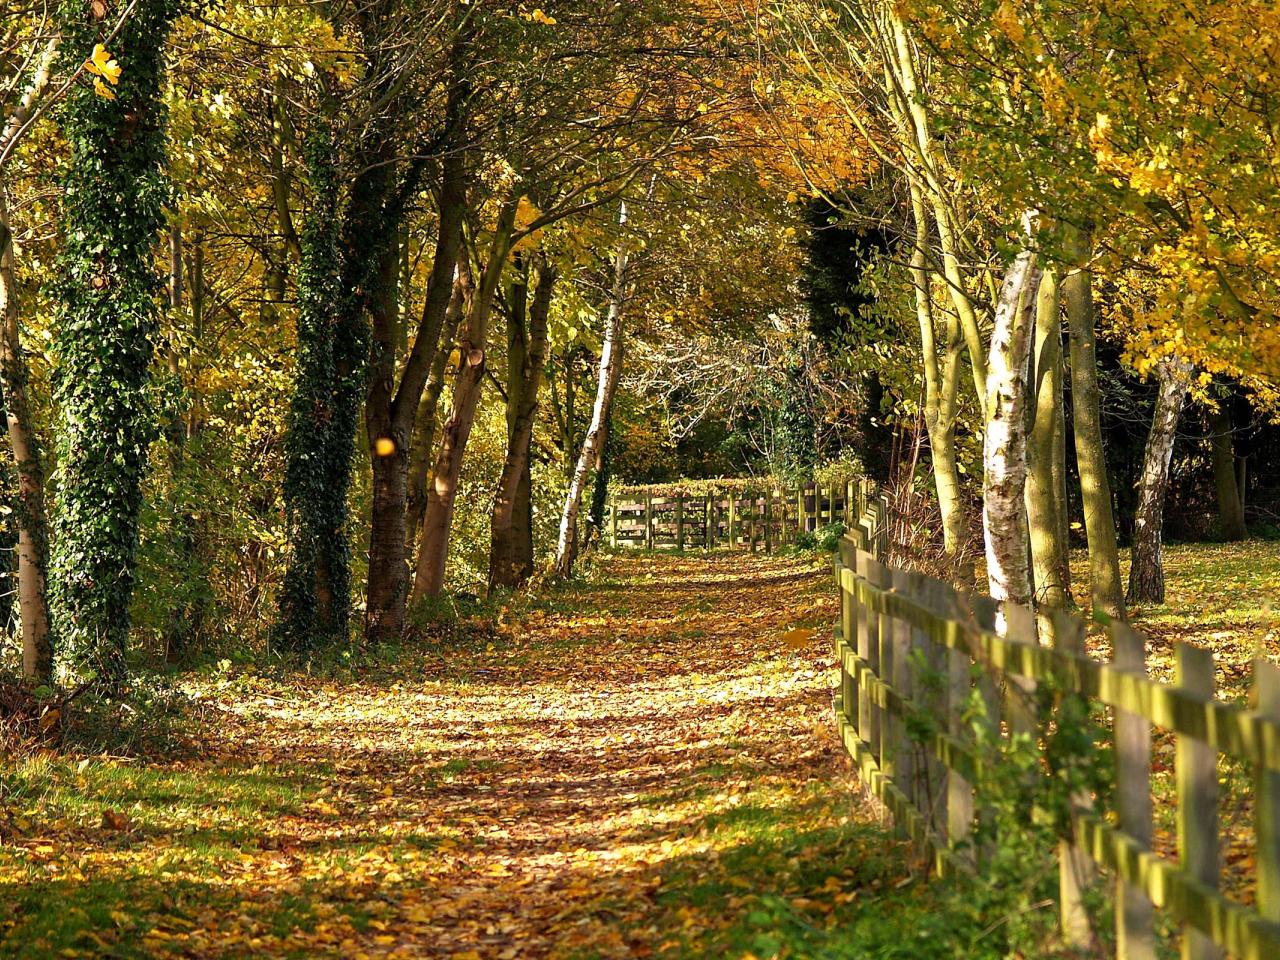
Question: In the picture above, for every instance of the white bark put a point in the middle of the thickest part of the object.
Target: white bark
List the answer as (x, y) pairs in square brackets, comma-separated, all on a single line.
[(1004, 515), (606, 385)]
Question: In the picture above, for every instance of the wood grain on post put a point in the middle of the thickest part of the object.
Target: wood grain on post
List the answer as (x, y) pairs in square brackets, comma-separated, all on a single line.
[(1195, 767), (1075, 870), (902, 679), (768, 521), (648, 523), (869, 651), (1266, 679), (1135, 936), (680, 522), (960, 806)]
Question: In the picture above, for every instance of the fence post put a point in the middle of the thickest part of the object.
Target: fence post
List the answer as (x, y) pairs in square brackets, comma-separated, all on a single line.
[(901, 679), (648, 522), (1266, 679), (1195, 767), (1075, 869), (613, 525), (680, 522), (768, 520), (849, 696), (708, 530), (1135, 936), (869, 651), (960, 804), (753, 512)]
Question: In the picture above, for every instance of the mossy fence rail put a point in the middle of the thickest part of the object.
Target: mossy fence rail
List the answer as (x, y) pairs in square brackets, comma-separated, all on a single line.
[(916, 654), (743, 516)]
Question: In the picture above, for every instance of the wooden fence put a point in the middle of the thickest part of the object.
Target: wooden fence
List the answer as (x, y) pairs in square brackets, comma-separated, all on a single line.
[(742, 519), (895, 625)]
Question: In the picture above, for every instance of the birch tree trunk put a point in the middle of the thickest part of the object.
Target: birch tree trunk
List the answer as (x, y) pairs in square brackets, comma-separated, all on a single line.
[(1004, 516), (606, 385), (1086, 401), (1146, 570), (437, 524), (526, 357), (32, 520), (1051, 575)]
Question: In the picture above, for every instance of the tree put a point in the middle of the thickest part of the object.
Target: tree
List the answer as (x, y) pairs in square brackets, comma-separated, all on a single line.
[(1146, 568), (31, 519), (609, 372), (114, 192), (511, 545)]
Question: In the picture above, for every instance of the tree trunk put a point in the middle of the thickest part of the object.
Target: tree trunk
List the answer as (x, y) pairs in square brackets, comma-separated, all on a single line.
[(388, 573), (1222, 448), (1086, 401), (426, 421), (1052, 577), (607, 383), (910, 103), (433, 551), (111, 217), (526, 357), (33, 532), (186, 618), (600, 487), (941, 378), (1004, 516), (1146, 570), (391, 411)]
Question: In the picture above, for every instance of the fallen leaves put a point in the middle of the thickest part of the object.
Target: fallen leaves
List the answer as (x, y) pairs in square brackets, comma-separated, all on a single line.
[(534, 800)]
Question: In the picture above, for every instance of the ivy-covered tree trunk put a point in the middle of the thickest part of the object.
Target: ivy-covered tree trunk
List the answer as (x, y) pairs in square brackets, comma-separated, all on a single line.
[(112, 214), (320, 442)]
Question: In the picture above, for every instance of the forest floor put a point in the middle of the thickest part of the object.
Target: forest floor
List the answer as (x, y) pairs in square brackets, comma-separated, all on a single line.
[(642, 765)]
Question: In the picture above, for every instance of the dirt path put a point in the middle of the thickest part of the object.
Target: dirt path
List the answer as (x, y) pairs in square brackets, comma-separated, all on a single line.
[(642, 766)]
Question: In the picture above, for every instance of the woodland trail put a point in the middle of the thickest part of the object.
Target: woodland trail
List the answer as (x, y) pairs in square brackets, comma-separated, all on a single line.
[(641, 766)]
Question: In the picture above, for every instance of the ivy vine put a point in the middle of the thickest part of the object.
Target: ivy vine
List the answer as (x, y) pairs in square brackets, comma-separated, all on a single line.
[(315, 605), (115, 190)]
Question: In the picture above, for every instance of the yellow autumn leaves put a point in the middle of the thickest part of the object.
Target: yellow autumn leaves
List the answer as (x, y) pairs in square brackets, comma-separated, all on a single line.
[(103, 66)]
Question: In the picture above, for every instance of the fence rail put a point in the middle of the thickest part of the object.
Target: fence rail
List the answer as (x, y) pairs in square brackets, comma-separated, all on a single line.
[(895, 625), (743, 519)]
